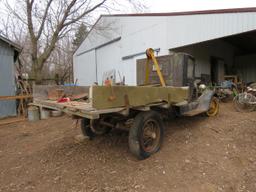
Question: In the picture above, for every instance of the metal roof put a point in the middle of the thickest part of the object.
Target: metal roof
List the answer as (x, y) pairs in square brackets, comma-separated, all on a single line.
[(214, 11), (11, 43), (201, 12)]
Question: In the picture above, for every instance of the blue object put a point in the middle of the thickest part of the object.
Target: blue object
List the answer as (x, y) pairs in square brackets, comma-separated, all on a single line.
[(226, 84)]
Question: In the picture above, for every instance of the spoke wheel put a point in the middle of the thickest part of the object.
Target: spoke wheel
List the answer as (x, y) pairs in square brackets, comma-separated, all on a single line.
[(214, 108), (242, 102), (91, 128), (150, 136), (98, 127), (146, 134)]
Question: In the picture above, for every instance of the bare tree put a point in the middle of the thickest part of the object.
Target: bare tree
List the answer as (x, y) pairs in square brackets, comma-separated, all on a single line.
[(16, 31), (47, 22), (61, 60)]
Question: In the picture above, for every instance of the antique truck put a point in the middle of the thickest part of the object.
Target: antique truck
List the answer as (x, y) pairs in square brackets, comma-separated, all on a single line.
[(169, 87)]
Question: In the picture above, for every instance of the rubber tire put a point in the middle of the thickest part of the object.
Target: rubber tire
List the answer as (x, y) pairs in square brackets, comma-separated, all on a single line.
[(99, 130), (136, 132), (86, 129)]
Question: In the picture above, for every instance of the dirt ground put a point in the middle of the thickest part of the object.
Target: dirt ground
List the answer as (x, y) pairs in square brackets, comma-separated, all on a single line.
[(199, 154)]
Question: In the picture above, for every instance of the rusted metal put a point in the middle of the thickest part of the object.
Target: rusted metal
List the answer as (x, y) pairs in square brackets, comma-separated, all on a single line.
[(15, 97), (151, 56), (174, 69)]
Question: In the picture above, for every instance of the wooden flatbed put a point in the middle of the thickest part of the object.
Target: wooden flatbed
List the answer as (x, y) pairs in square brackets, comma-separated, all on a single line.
[(76, 108), (116, 99)]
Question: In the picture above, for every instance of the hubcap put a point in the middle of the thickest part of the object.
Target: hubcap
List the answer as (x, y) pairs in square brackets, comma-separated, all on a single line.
[(213, 110)]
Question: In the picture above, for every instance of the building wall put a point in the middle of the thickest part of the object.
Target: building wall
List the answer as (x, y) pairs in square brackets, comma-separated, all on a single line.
[(85, 68), (204, 51), (7, 80), (135, 37), (137, 33), (246, 67), (191, 29)]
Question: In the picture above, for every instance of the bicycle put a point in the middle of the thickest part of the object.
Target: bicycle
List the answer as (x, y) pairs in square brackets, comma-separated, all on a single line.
[(246, 101)]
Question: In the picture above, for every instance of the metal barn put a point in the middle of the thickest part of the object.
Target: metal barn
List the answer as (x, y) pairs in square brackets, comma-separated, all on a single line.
[(8, 54), (222, 41)]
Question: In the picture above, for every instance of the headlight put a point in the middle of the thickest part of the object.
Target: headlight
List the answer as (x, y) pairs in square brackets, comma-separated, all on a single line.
[(202, 86)]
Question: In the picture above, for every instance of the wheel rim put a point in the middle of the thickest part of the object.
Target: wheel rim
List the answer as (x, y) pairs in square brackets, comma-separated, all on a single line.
[(214, 107), (150, 136), (97, 127), (242, 102)]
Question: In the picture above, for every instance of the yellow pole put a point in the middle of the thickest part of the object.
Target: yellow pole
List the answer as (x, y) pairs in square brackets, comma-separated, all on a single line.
[(147, 73), (150, 55)]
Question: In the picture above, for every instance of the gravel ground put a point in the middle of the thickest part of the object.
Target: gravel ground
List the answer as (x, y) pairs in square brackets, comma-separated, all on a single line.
[(199, 154)]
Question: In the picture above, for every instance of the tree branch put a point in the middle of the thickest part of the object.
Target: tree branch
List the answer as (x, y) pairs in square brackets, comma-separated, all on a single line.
[(31, 29), (43, 19), (85, 13)]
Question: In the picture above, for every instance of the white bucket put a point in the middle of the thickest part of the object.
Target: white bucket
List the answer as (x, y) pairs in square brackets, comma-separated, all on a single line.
[(33, 113), (44, 114), (56, 113)]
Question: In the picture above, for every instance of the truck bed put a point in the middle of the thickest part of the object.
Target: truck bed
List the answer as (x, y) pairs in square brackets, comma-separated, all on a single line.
[(76, 108), (113, 99)]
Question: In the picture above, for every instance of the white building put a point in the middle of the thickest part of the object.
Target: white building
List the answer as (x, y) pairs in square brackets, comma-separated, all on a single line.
[(222, 41)]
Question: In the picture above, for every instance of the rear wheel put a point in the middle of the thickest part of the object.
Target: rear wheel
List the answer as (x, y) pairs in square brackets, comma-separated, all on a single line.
[(146, 134), (214, 108), (91, 128), (86, 129), (100, 126)]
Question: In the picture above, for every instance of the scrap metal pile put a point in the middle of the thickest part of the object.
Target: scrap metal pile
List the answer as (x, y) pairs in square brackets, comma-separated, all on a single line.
[(243, 95), (246, 100)]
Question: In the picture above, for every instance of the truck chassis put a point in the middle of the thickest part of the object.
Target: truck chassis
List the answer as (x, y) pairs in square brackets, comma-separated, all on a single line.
[(138, 109)]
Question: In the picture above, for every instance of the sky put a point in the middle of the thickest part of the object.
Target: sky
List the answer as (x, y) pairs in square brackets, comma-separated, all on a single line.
[(163, 6), (183, 5), (191, 5), (176, 5)]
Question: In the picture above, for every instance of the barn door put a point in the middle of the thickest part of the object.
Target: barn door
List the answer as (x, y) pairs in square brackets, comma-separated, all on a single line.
[(217, 70)]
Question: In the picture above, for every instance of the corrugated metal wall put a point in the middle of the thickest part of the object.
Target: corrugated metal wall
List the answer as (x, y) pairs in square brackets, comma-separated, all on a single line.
[(246, 67), (136, 37), (191, 29), (164, 32), (7, 80)]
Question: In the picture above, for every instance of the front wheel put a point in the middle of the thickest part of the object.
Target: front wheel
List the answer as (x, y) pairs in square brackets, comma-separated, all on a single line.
[(214, 107), (146, 134), (243, 102)]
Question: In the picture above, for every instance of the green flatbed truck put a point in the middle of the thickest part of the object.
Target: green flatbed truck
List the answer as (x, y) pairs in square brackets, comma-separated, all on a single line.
[(139, 109)]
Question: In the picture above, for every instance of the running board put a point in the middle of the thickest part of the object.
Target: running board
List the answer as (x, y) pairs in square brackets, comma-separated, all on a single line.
[(199, 106), (194, 112)]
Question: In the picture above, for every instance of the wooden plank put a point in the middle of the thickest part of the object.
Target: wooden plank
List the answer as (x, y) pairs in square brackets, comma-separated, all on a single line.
[(76, 108), (73, 105), (15, 97), (104, 97), (42, 91), (8, 121)]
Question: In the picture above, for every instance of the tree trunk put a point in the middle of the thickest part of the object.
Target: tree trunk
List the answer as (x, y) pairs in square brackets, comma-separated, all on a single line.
[(38, 77), (37, 72)]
